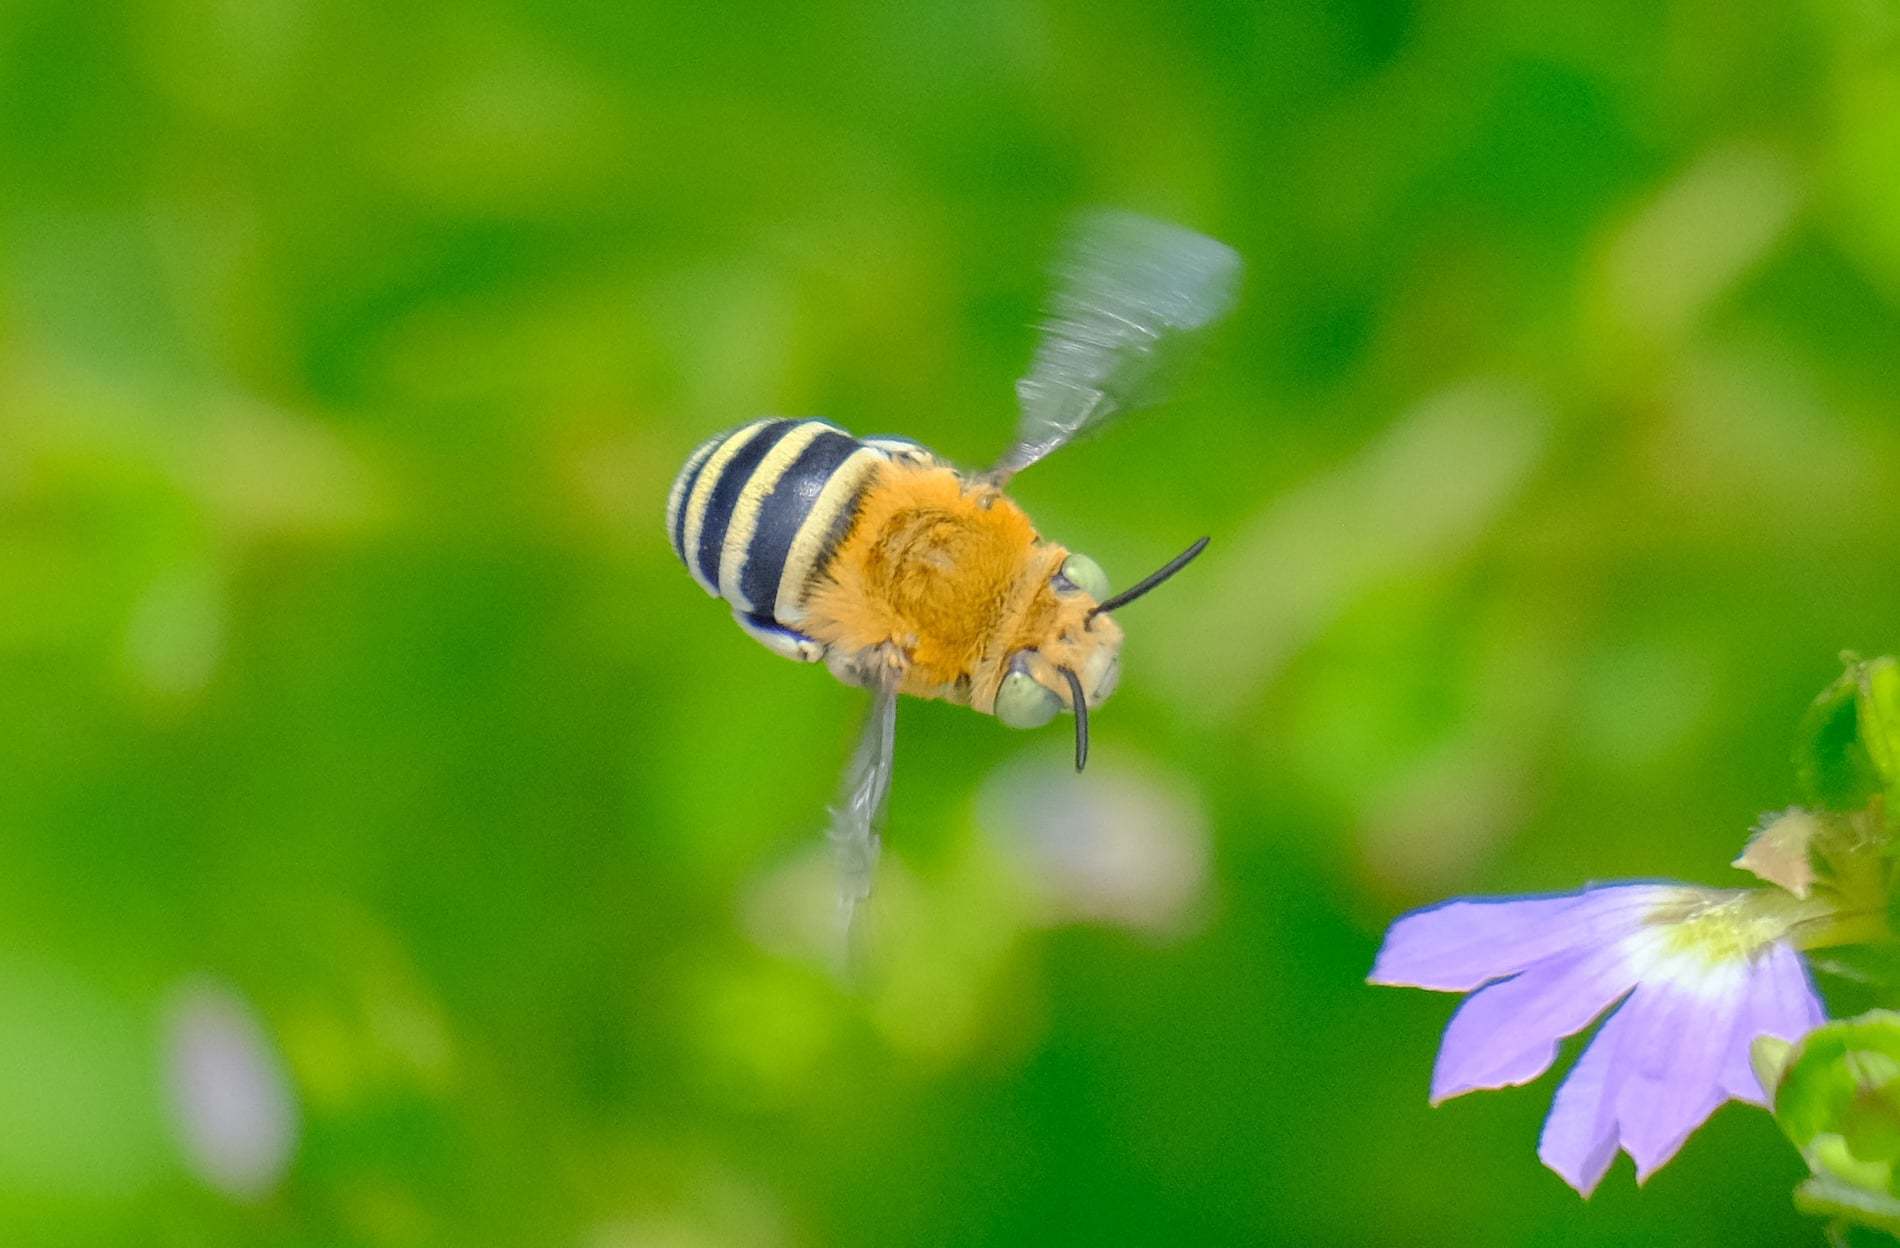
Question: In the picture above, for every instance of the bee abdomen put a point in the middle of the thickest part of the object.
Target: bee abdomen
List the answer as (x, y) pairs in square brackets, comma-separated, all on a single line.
[(758, 512)]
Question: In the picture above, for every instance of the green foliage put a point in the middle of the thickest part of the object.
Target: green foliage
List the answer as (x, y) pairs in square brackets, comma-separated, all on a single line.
[(1847, 752), (1838, 1099), (1841, 852), (1879, 706), (1847, 1205), (347, 352)]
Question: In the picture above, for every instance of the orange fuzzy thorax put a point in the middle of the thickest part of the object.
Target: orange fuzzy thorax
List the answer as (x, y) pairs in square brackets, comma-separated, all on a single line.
[(953, 575)]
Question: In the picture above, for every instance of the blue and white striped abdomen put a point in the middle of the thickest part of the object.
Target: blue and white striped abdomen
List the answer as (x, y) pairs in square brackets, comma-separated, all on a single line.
[(757, 513)]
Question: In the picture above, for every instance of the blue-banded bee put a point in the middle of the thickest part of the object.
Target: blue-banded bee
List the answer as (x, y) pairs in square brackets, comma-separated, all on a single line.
[(906, 576)]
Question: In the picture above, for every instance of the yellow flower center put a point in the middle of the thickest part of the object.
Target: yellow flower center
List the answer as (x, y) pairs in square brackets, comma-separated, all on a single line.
[(1721, 926)]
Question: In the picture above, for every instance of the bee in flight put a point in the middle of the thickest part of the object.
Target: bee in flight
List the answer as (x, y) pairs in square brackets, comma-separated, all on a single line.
[(906, 576)]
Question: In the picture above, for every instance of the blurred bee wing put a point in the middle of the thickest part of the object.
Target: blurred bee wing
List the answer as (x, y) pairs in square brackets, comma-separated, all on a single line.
[(1130, 296), (858, 818)]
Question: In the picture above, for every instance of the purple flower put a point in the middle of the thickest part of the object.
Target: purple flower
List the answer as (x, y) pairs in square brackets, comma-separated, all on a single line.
[(1699, 974)]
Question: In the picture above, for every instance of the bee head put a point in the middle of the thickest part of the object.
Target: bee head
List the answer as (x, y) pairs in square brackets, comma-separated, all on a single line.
[(1067, 653)]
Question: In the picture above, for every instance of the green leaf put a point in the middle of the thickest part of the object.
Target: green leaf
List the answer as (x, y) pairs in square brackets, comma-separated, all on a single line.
[(1838, 1099), (1833, 765), (1879, 713), (1847, 750), (1830, 1198), (1770, 1055), (1871, 1125), (1830, 1157)]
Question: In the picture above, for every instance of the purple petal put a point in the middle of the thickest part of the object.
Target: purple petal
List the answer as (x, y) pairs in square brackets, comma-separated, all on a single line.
[(1508, 1032), (1677, 1050), (1781, 1002), (1579, 1139), (1459, 945)]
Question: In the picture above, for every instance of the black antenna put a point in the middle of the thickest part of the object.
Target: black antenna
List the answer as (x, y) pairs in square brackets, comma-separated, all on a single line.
[(1081, 718), (1147, 583)]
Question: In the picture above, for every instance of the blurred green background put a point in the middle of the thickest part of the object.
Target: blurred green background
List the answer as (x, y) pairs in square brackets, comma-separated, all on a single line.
[(364, 750)]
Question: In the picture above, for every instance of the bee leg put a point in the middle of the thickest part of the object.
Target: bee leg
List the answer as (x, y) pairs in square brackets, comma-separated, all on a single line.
[(779, 639)]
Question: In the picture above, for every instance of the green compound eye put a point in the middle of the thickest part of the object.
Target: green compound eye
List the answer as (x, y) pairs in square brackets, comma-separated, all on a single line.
[(1086, 575), (1022, 703)]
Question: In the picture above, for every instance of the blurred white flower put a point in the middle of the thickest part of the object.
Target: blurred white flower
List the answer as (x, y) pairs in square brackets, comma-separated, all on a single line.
[(229, 1100), (1113, 846)]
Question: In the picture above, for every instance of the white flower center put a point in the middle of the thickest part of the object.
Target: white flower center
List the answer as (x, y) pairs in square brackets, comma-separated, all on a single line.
[(1702, 940)]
